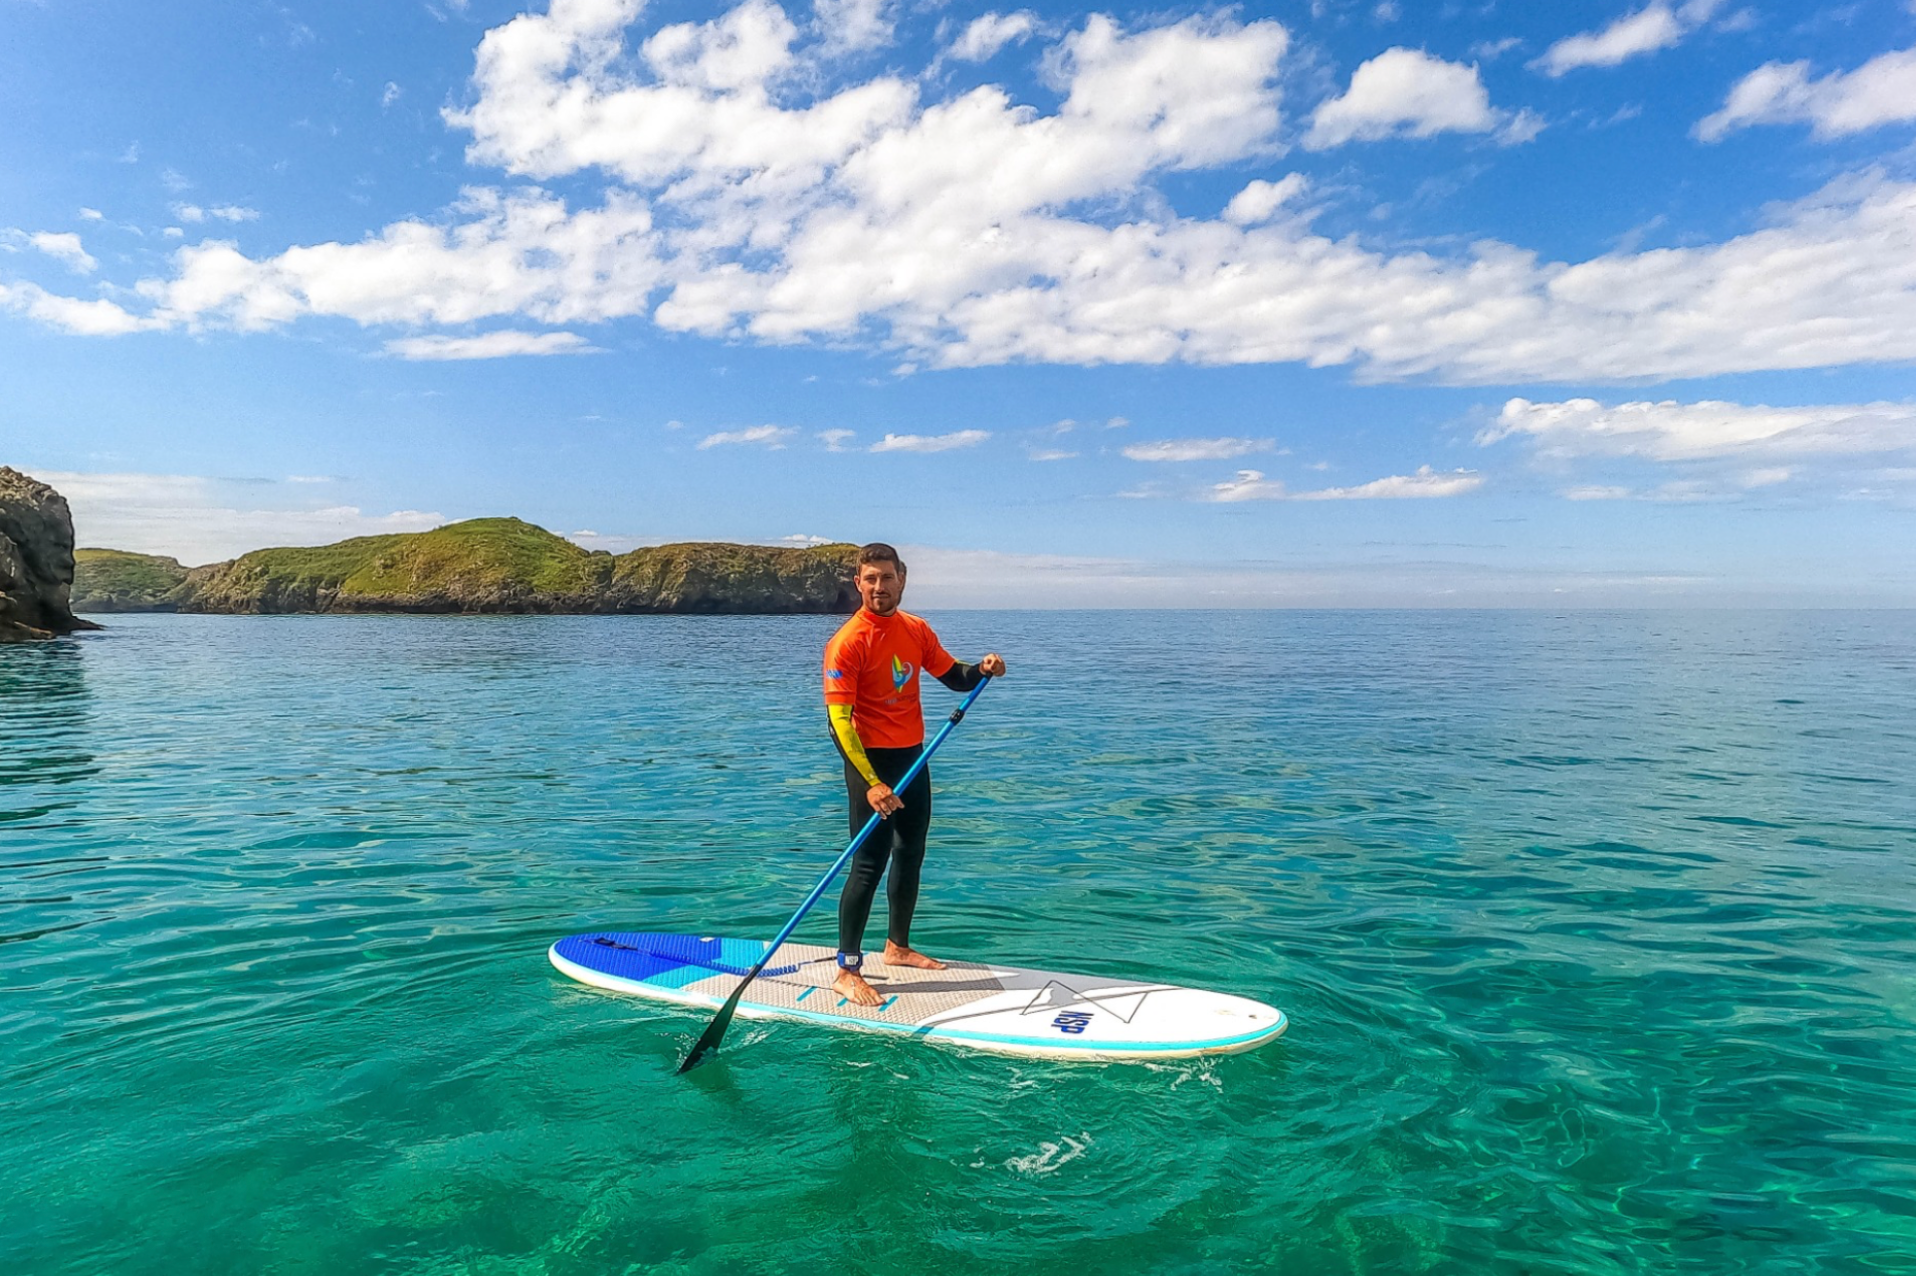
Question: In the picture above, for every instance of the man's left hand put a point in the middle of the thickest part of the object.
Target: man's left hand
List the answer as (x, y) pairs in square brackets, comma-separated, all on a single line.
[(992, 666)]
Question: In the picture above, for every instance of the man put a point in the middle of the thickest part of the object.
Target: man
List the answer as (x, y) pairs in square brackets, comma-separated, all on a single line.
[(871, 697)]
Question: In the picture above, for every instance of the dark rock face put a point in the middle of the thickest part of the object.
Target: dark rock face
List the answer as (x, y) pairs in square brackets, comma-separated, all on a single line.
[(36, 560)]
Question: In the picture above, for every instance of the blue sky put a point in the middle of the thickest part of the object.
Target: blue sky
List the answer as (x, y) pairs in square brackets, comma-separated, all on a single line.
[(1580, 304)]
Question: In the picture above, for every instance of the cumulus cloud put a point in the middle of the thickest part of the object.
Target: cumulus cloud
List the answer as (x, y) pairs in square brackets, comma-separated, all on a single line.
[(96, 318), (1881, 91), (930, 442), (744, 204), (490, 345), (66, 249), (1632, 35), (1260, 200), (1657, 26), (1673, 431), (771, 436), (1251, 485), (1196, 449), (1409, 93), (203, 520), (834, 440), (854, 25), (987, 35)]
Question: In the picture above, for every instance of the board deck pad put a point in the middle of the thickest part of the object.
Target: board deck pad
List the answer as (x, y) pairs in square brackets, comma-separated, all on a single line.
[(989, 1007)]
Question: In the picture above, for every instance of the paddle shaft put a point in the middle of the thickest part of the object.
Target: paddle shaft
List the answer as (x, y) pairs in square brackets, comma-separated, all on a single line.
[(715, 1031)]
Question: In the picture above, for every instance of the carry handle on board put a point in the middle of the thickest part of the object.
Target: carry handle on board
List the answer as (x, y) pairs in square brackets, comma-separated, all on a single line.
[(715, 1031)]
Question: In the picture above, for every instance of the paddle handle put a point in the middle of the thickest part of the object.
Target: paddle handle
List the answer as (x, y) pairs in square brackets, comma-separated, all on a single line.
[(957, 716)]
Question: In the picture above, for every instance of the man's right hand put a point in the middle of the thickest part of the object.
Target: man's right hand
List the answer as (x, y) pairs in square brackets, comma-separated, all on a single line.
[(883, 800)]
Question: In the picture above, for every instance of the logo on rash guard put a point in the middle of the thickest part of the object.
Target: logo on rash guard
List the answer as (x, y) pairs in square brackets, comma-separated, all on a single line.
[(834, 673), (900, 673)]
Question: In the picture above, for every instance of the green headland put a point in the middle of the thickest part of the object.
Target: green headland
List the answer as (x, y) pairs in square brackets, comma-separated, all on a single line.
[(481, 565)]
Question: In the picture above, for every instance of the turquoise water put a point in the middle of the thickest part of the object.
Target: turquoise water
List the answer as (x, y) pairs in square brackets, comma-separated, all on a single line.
[(1598, 935)]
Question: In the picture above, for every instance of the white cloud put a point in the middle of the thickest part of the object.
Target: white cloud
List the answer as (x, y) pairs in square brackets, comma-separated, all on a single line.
[(189, 212), (1050, 454), (987, 35), (930, 442), (1251, 485), (1259, 200), (982, 230), (97, 318), (203, 520), (172, 179), (91, 215), (834, 440), (1672, 431), (1424, 483), (1408, 93), (854, 25), (490, 345), (1196, 449), (801, 540), (1881, 91), (1596, 492), (771, 436), (1645, 31), (66, 249), (519, 254), (390, 94), (233, 213)]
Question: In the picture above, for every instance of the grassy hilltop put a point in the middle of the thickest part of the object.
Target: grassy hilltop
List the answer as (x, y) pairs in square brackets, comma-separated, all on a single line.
[(115, 580), (481, 565)]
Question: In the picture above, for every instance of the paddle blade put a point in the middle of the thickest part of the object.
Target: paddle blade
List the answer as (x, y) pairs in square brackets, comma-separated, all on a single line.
[(715, 1031)]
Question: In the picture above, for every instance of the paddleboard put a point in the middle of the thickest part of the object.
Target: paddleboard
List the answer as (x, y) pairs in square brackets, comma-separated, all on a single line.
[(987, 1007)]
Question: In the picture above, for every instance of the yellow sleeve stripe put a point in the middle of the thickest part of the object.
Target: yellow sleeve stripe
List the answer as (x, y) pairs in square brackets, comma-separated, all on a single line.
[(841, 718)]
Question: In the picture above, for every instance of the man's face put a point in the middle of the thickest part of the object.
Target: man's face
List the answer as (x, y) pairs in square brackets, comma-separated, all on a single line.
[(881, 585)]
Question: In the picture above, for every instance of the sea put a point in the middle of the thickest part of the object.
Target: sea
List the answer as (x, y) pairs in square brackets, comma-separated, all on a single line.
[(1597, 932)]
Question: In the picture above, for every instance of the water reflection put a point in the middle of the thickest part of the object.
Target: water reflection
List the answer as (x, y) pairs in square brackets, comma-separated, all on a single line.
[(44, 713)]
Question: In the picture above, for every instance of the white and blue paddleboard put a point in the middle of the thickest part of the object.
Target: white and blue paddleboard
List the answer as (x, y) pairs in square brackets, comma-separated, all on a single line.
[(986, 1007)]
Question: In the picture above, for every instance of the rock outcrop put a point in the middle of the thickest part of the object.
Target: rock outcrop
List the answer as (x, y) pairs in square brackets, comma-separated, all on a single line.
[(482, 565), (36, 560)]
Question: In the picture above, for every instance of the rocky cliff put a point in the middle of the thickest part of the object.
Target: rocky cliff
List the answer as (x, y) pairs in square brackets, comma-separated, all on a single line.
[(482, 565), (36, 560)]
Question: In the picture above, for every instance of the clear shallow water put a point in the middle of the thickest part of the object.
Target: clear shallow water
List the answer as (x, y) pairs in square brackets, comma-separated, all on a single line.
[(1598, 933)]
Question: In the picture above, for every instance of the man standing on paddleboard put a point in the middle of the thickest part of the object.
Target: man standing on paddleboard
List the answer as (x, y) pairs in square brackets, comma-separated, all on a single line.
[(871, 696)]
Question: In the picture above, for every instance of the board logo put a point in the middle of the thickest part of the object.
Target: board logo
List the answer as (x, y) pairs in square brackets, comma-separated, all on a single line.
[(1072, 1021), (900, 673)]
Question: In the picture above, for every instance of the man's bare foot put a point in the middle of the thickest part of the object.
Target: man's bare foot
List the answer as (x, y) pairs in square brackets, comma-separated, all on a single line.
[(852, 987), (896, 956)]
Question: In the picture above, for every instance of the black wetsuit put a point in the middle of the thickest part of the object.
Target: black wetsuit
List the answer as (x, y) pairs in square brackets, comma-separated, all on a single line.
[(898, 840)]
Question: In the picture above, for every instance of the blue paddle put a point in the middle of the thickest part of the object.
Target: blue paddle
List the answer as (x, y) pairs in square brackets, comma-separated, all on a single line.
[(715, 1031)]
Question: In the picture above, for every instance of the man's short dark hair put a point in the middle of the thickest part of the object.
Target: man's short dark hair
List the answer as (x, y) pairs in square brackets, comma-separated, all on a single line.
[(880, 552)]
